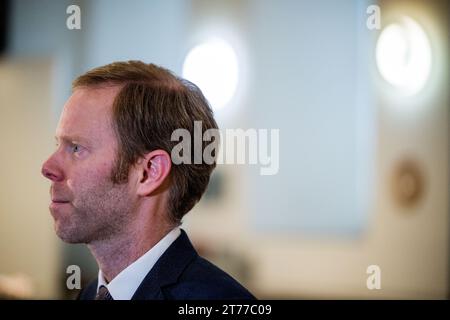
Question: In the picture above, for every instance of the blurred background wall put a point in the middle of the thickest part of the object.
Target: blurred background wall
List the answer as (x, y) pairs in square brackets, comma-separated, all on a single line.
[(363, 166)]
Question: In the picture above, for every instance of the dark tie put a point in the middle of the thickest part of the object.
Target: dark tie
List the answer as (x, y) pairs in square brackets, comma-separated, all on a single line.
[(103, 294)]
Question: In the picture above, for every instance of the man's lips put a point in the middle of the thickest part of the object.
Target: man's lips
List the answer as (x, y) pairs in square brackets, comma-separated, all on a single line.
[(60, 201), (57, 204)]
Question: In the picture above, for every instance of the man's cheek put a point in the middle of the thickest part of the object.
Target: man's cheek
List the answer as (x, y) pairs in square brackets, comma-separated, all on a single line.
[(82, 182), (101, 169)]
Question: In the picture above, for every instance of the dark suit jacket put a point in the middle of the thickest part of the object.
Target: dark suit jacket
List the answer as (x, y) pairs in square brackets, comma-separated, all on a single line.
[(181, 274)]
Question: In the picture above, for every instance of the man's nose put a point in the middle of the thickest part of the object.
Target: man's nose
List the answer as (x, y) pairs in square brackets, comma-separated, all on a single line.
[(51, 169)]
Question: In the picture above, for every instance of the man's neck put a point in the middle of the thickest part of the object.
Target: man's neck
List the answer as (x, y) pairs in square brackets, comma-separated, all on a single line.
[(118, 252)]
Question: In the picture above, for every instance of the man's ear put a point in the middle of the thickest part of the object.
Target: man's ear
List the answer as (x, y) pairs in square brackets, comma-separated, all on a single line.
[(154, 169)]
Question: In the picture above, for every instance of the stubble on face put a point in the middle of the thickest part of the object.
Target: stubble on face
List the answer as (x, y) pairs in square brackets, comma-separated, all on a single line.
[(99, 210)]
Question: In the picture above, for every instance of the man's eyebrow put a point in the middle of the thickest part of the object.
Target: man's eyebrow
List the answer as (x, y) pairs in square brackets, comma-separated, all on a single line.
[(71, 138)]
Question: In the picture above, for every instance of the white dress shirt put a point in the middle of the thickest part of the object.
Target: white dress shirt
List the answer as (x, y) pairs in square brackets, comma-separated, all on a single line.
[(125, 284)]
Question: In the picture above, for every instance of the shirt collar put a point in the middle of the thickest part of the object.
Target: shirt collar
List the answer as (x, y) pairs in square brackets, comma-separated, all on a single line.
[(125, 284)]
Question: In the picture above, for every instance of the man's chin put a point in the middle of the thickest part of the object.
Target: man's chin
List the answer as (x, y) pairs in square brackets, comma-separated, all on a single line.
[(69, 235)]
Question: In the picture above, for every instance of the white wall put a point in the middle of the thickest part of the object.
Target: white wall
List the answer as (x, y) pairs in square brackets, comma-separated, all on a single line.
[(307, 231), (28, 245)]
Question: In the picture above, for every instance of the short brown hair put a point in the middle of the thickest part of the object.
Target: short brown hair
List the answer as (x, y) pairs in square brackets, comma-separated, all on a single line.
[(152, 103)]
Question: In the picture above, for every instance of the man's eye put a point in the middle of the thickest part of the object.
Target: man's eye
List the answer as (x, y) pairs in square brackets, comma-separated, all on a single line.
[(75, 148)]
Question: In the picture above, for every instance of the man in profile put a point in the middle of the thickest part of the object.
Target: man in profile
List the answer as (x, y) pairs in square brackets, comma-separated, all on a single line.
[(115, 187)]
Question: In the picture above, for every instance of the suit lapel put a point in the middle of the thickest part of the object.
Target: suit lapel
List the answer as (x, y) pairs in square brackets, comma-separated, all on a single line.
[(167, 269), (89, 292)]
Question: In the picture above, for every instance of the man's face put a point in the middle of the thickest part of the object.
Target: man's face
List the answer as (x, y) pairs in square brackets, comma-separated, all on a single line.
[(86, 205)]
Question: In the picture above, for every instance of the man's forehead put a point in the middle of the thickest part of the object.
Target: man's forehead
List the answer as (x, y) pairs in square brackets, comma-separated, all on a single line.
[(92, 99), (86, 112)]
